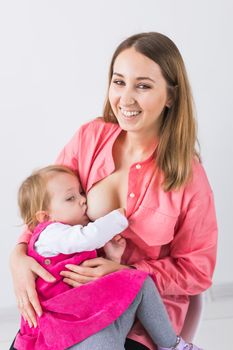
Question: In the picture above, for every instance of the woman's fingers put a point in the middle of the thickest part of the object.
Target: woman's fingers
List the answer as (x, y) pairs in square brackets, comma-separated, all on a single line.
[(72, 283), (30, 315), (27, 310), (29, 304), (26, 318), (84, 270), (34, 301), (41, 272), (89, 270), (25, 270), (93, 262), (76, 277)]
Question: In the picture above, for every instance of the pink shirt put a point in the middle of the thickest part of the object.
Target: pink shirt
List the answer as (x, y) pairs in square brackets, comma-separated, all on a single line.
[(172, 235)]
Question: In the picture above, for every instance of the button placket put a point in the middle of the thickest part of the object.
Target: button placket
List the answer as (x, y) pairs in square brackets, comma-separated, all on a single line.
[(134, 180)]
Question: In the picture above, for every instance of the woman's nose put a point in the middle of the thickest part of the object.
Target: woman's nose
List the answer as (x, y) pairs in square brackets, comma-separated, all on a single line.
[(127, 98)]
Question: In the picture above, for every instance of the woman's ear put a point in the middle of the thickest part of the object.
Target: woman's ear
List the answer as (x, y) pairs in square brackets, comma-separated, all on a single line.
[(42, 216), (169, 103), (171, 96)]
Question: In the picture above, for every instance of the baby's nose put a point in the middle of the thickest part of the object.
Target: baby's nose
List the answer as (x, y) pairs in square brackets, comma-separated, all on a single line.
[(83, 200)]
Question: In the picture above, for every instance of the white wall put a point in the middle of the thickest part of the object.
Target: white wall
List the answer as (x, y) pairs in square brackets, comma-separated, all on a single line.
[(54, 58)]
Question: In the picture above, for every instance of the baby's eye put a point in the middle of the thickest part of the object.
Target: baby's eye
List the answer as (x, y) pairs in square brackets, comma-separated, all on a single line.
[(70, 199)]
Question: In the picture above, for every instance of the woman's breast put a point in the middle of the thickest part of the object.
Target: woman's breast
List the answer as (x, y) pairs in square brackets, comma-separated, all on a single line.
[(107, 195)]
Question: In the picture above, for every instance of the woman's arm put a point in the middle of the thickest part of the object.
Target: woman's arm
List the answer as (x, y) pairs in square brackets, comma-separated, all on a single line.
[(25, 269), (24, 272)]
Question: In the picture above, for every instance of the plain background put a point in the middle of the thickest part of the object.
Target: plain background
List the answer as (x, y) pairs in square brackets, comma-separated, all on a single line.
[(54, 58)]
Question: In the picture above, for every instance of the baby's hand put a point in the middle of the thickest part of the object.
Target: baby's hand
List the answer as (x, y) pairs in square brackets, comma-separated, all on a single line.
[(122, 211), (114, 249)]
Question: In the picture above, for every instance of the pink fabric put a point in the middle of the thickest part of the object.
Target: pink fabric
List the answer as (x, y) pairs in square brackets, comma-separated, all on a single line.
[(171, 235), (72, 314)]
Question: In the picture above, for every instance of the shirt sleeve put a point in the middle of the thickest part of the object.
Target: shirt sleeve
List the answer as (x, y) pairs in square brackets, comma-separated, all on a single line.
[(69, 154), (60, 238), (25, 236), (189, 260)]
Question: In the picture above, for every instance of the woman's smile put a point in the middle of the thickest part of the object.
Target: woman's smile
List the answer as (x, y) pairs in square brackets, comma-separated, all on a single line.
[(129, 116)]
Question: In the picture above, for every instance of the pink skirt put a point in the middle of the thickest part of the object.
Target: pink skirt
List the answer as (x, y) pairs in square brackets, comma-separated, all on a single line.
[(74, 315)]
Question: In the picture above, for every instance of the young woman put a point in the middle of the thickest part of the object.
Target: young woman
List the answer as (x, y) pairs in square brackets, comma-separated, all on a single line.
[(141, 156)]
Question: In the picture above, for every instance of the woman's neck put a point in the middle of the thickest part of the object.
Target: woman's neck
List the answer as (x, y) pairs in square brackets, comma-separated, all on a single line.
[(139, 145)]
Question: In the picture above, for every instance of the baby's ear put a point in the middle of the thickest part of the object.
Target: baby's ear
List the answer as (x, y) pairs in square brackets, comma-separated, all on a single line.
[(42, 216)]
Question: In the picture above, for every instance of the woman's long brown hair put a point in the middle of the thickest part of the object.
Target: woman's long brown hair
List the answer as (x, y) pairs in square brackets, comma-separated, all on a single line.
[(178, 132)]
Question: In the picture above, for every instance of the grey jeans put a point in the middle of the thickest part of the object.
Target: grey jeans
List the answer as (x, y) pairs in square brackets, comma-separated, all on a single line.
[(149, 309)]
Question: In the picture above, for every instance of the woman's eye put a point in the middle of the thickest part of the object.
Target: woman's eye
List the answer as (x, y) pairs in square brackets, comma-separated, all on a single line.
[(143, 86), (118, 82), (139, 86)]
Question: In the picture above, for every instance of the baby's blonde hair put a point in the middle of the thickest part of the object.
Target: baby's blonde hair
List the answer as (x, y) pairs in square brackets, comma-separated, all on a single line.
[(33, 195)]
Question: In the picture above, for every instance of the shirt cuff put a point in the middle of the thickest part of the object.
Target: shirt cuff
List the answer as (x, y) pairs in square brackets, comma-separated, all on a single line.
[(25, 237), (119, 218)]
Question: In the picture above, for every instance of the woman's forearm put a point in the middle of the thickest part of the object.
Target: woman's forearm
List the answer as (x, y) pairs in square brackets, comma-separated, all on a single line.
[(20, 250), (24, 270)]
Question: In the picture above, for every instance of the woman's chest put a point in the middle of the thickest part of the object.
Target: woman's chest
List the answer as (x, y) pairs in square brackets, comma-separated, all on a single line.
[(108, 194)]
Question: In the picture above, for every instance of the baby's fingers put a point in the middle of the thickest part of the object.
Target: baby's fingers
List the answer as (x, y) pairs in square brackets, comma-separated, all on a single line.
[(117, 237)]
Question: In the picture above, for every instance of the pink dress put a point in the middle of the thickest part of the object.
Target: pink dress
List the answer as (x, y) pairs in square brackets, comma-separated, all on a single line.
[(72, 314)]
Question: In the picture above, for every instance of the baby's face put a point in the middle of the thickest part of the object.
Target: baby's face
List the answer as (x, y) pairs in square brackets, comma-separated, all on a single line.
[(68, 202)]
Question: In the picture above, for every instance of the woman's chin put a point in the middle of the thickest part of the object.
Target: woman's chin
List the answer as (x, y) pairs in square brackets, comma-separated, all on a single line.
[(128, 125)]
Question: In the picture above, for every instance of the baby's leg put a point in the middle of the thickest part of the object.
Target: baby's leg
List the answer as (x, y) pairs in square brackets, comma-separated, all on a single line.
[(153, 315), (112, 337), (107, 338), (151, 312)]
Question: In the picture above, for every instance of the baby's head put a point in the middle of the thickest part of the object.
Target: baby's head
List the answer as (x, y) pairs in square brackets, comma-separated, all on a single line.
[(52, 193)]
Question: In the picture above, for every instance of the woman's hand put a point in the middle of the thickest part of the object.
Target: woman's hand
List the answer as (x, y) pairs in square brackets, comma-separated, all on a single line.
[(90, 270), (24, 272)]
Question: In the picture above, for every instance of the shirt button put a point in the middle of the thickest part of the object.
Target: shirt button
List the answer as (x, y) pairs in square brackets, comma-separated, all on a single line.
[(138, 166), (132, 195), (47, 261)]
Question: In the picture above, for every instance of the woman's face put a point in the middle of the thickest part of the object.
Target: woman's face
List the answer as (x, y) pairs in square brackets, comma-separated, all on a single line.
[(137, 92)]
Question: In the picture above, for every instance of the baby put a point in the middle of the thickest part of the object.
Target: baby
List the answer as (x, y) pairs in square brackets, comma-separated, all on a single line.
[(53, 206)]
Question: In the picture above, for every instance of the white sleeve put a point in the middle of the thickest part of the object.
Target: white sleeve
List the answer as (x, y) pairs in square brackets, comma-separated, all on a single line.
[(61, 238)]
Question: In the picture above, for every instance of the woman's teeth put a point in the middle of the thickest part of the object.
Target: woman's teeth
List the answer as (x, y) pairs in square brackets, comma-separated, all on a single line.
[(130, 114)]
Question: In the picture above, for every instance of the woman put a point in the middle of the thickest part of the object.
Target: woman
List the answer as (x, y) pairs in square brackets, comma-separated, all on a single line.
[(141, 156)]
